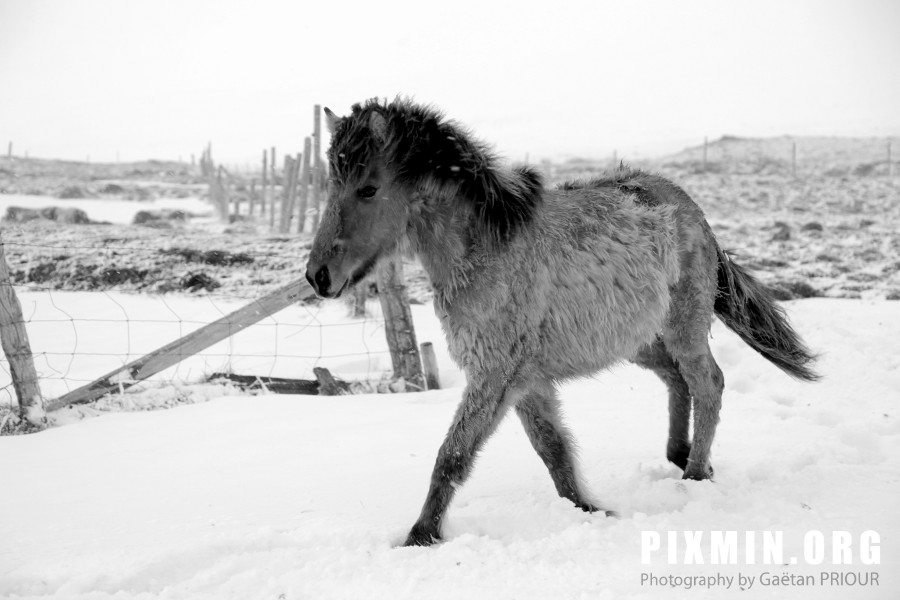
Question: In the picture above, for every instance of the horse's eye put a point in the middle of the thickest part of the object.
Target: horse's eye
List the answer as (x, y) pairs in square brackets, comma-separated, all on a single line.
[(367, 193)]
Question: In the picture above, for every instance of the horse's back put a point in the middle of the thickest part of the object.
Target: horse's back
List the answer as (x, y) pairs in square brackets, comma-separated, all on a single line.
[(602, 262)]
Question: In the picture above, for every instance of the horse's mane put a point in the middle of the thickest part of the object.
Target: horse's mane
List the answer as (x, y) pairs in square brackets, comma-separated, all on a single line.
[(421, 148)]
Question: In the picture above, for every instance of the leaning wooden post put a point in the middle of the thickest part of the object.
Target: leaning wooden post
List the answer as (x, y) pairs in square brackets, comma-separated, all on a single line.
[(14, 339), (173, 353), (429, 365), (304, 185), (398, 325), (317, 165)]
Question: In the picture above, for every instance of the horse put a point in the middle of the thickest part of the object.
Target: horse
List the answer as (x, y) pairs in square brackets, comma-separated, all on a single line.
[(535, 285)]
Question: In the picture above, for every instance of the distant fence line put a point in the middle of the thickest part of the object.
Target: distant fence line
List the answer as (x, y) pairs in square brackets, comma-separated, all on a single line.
[(290, 200)]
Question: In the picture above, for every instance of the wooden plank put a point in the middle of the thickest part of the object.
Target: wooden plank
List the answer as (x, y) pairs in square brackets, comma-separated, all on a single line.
[(275, 385), (173, 353), (14, 339)]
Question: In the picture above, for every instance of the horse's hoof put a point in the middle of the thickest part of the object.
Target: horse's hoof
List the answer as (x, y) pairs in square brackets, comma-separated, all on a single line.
[(677, 452), (419, 537), (699, 474), (590, 508)]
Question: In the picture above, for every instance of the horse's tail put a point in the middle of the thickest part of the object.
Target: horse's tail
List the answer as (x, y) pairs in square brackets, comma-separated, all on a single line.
[(748, 309)]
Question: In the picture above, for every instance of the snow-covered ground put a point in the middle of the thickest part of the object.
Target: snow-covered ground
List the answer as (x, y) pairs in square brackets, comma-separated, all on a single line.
[(112, 209), (289, 497), (77, 337)]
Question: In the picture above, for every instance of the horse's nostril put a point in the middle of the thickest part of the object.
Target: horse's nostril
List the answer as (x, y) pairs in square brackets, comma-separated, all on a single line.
[(322, 280)]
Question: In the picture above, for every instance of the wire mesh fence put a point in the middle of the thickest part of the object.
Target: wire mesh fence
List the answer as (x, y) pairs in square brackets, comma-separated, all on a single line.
[(77, 336)]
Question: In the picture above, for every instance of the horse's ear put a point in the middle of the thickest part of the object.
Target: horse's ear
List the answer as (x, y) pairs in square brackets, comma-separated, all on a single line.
[(331, 120), (378, 125)]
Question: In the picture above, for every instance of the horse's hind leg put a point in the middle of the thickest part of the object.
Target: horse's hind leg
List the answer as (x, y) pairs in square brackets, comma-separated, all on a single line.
[(705, 381), (656, 358), (538, 409)]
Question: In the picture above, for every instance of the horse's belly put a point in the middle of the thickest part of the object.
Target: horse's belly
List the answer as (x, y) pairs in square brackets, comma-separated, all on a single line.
[(592, 321)]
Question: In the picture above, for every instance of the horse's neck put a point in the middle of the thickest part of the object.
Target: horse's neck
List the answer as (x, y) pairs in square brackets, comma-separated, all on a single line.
[(442, 238)]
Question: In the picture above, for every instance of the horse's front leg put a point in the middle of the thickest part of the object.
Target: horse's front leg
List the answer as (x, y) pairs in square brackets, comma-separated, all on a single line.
[(481, 410)]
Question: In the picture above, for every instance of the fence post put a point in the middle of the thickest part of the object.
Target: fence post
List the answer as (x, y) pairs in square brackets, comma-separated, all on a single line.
[(890, 164), (217, 192), (287, 197), (705, 151), (304, 185), (794, 159), (398, 325), (316, 165), (9, 150), (265, 183), (429, 365), (272, 196), (14, 339)]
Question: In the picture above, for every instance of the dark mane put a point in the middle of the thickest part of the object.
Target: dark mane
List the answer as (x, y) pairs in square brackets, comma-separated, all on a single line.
[(421, 148)]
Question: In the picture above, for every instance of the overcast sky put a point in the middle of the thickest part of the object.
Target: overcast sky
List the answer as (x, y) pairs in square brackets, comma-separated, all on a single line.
[(158, 78)]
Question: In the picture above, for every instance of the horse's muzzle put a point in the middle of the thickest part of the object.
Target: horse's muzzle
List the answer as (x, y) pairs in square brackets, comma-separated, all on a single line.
[(320, 280)]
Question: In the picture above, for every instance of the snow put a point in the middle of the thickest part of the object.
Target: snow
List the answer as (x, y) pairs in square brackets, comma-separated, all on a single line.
[(112, 209), (80, 336), (306, 497)]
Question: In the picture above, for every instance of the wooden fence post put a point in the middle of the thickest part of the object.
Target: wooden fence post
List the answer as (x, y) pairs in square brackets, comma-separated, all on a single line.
[(890, 163), (290, 189), (265, 183), (304, 185), (398, 325), (705, 151), (429, 365), (316, 165), (9, 151), (14, 339), (794, 159), (272, 196)]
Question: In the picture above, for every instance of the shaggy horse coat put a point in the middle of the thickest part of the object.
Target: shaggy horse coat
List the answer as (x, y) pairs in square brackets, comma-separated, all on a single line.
[(534, 286)]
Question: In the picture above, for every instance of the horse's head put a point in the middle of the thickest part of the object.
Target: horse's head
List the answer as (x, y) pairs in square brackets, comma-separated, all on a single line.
[(366, 215)]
